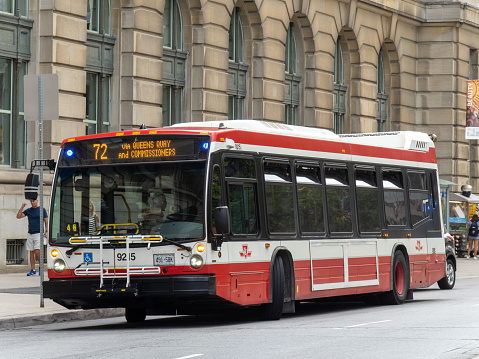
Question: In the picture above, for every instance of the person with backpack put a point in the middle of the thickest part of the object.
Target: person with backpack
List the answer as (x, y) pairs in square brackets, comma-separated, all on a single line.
[(473, 235)]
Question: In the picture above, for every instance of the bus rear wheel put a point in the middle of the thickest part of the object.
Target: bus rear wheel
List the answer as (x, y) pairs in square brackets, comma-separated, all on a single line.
[(135, 315), (400, 278), (274, 310)]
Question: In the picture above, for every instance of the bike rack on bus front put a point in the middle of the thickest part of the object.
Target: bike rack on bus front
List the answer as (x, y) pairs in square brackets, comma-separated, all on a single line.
[(127, 240)]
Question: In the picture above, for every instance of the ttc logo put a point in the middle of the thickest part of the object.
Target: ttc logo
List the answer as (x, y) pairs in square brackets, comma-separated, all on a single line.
[(418, 245), (245, 253)]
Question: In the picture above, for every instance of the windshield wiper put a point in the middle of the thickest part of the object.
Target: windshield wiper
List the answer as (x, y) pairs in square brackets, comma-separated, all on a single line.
[(177, 244), (71, 250)]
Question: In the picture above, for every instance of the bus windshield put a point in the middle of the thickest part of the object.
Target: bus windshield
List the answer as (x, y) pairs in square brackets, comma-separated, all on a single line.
[(153, 198)]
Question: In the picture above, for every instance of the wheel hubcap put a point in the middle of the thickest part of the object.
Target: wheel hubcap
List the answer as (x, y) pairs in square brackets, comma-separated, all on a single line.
[(450, 274)]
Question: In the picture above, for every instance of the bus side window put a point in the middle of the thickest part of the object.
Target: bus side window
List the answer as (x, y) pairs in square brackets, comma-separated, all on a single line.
[(419, 204), (367, 196), (310, 198), (240, 175), (338, 199), (279, 197), (394, 200)]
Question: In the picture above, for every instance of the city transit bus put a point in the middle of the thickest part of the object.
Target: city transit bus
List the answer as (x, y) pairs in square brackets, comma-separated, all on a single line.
[(200, 216)]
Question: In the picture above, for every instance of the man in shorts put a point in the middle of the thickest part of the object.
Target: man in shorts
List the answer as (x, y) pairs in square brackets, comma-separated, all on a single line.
[(33, 236)]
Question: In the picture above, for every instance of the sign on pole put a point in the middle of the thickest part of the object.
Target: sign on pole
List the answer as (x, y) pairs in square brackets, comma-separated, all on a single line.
[(50, 97), (472, 109), (41, 103)]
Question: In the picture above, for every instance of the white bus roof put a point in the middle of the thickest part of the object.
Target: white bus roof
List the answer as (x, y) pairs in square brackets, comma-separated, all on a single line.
[(408, 140)]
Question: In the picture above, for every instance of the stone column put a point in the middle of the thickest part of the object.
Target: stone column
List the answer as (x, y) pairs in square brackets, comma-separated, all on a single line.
[(439, 54), (141, 48), (61, 50), (209, 100)]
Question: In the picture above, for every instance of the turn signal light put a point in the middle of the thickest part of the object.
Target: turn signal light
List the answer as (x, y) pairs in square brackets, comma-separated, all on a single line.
[(54, 253), (200, 248)]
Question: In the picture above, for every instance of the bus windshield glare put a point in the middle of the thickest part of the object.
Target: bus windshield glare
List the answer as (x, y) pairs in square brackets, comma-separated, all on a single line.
[(145, 198)]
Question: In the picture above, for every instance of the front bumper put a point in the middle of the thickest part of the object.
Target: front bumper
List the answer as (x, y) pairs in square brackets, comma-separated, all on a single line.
[(166, 292)]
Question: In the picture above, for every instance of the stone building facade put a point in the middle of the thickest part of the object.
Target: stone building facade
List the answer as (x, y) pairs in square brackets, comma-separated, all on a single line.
[(344, 65)]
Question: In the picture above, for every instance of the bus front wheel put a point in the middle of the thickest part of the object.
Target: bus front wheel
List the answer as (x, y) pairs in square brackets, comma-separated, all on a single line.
[(273, 310), (400, 279)]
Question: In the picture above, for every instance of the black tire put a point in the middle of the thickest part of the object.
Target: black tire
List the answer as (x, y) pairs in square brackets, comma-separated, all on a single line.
[(400, 278), (135, 315), (274, 310), (449, 280)]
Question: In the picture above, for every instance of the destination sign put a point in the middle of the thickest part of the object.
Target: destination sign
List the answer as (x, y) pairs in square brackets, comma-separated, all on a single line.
[(139, 148)]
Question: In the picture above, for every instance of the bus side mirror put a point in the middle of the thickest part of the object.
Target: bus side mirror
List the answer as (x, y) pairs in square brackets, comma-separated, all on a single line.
[(31, 186), (222, 226), (222, 220)]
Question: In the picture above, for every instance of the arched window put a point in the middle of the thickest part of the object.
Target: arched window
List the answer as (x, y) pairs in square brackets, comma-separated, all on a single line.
[(174, 59), (237, 68), (292, 80), (339, 109), (99, 66), (382, 97), (15, 35)]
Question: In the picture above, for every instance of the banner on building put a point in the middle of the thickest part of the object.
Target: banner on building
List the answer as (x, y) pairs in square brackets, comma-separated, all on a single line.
[(472, 109)]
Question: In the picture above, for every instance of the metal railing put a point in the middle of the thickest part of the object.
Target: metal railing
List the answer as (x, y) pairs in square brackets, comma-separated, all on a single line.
[(15, 251)]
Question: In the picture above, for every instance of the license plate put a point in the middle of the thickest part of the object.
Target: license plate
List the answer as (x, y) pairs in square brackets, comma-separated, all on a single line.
[(163, 259)]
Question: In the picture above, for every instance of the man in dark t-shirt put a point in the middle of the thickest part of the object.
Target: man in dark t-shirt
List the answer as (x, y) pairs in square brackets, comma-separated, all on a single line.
[(33, 235)]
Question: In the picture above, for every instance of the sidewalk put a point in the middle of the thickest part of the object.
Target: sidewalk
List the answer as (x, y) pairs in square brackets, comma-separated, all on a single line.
[(20, 300), (20, 304)]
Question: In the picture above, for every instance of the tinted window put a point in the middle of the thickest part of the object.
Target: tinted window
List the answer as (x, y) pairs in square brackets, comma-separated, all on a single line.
[(239, 168), (419, 203), (394, 208), (367, 200), (310, 199), (279, 197), (277, 172), (339, 210), (242, 202), (417, 180), (336, 176), (394, 198), (338, 199)]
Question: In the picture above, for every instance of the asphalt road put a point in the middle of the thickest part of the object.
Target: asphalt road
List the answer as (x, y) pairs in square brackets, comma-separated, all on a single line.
[(436, 324)]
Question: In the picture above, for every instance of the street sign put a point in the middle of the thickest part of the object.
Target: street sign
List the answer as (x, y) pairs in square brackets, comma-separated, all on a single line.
[(49, 94)]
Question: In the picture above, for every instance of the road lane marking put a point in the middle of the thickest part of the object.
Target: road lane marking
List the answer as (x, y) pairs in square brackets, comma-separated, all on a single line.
[(191, 356), (364, 324)]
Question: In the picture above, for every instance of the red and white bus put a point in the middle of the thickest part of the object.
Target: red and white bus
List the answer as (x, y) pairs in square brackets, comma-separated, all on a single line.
[(199, 216)]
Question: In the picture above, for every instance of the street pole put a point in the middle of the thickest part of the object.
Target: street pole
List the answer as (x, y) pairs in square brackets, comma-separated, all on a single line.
[(40, 153), (44, 89)]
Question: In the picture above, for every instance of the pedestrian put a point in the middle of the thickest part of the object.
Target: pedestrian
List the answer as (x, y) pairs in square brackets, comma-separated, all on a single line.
[(473, 236), (93, 219), (33, 236)]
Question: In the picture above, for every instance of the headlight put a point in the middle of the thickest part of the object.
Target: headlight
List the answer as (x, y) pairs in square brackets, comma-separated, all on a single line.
[(59, 265), (196, 261)]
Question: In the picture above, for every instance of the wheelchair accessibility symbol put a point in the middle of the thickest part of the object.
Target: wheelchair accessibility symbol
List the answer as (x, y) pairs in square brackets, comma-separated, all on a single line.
[(88, 257)]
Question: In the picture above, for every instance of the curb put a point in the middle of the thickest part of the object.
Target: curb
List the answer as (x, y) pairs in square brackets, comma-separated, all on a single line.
[(74, 315)]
